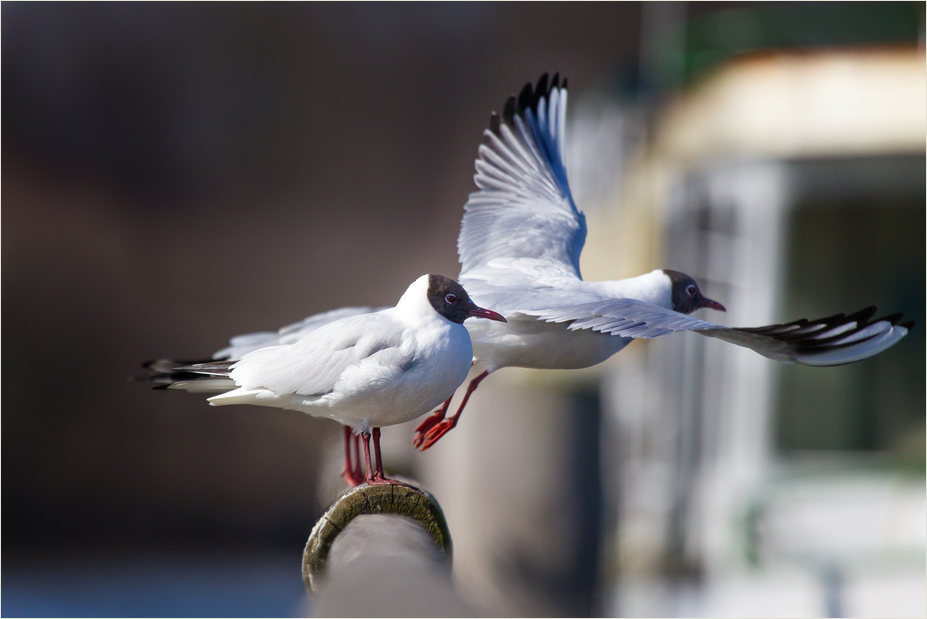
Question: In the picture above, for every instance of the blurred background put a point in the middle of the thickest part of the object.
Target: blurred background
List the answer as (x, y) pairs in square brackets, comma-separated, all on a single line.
[(175, 174)]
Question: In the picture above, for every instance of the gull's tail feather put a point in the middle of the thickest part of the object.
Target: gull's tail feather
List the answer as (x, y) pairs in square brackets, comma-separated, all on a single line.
[(243, 396)]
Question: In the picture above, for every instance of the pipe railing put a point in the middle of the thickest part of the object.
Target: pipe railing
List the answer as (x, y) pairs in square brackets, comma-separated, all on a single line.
[(382, 551)]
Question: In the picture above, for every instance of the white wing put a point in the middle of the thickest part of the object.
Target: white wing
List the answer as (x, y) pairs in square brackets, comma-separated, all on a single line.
[(522, 224), (175, 374), (240, 345), (835, 340), (313, 366), (521, 238)]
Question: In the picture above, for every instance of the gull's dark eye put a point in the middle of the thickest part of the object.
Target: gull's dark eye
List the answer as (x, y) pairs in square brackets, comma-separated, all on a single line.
[(690, 289), (450, 297)]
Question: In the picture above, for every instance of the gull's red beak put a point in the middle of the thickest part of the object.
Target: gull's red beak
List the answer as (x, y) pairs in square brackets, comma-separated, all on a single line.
[(706, 302), (479, 312)]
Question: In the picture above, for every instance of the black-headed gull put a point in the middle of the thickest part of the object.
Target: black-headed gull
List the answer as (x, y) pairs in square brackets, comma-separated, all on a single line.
[(364, 371), (519, 245)]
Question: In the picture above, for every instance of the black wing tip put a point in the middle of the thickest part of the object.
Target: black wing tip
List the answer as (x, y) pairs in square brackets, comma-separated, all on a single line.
[(797, 330), (525, 98), (165, 364), (167, 372), (864, 314), (529, 96), (893, 318), (865, 317), (508, 112), (541, 90), (211, 366), (494, 123)]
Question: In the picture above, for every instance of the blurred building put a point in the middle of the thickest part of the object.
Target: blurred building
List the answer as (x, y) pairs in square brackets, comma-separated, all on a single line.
[(792, 184)]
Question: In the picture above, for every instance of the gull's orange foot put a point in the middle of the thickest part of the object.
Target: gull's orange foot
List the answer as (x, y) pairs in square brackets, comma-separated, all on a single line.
[(435, 433)]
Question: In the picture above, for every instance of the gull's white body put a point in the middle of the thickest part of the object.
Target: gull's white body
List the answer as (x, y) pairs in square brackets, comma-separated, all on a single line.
[(369, 370), (526, 342)]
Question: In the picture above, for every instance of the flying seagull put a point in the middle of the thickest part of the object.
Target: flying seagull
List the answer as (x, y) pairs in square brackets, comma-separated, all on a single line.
[(364, 371), (519, 246)]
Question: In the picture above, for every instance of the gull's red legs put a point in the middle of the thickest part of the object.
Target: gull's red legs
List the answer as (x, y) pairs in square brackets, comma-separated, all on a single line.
[(352, 471), (375, 478), (438, 426)]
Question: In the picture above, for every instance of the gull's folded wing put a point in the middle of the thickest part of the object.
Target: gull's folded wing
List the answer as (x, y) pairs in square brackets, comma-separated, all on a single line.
[(313, 365), (173, 374), (240, 345)]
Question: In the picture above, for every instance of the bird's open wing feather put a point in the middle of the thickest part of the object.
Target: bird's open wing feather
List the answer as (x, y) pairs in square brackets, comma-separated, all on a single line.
[(523, 220), (834, 340)]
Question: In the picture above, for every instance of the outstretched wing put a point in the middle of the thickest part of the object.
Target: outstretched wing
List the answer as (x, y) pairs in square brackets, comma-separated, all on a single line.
[(522, 223), (835, 340)]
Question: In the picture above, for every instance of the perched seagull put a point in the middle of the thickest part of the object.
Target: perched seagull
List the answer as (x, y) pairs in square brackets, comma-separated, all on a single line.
[(519, 246), (364, 370)]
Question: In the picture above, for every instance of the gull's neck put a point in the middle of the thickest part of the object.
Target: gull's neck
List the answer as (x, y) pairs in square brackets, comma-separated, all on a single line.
[(654, 287), (413, 306)]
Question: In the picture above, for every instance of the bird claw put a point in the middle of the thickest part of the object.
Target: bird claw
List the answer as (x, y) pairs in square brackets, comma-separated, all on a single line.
[(424, 428), (435, 433)]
